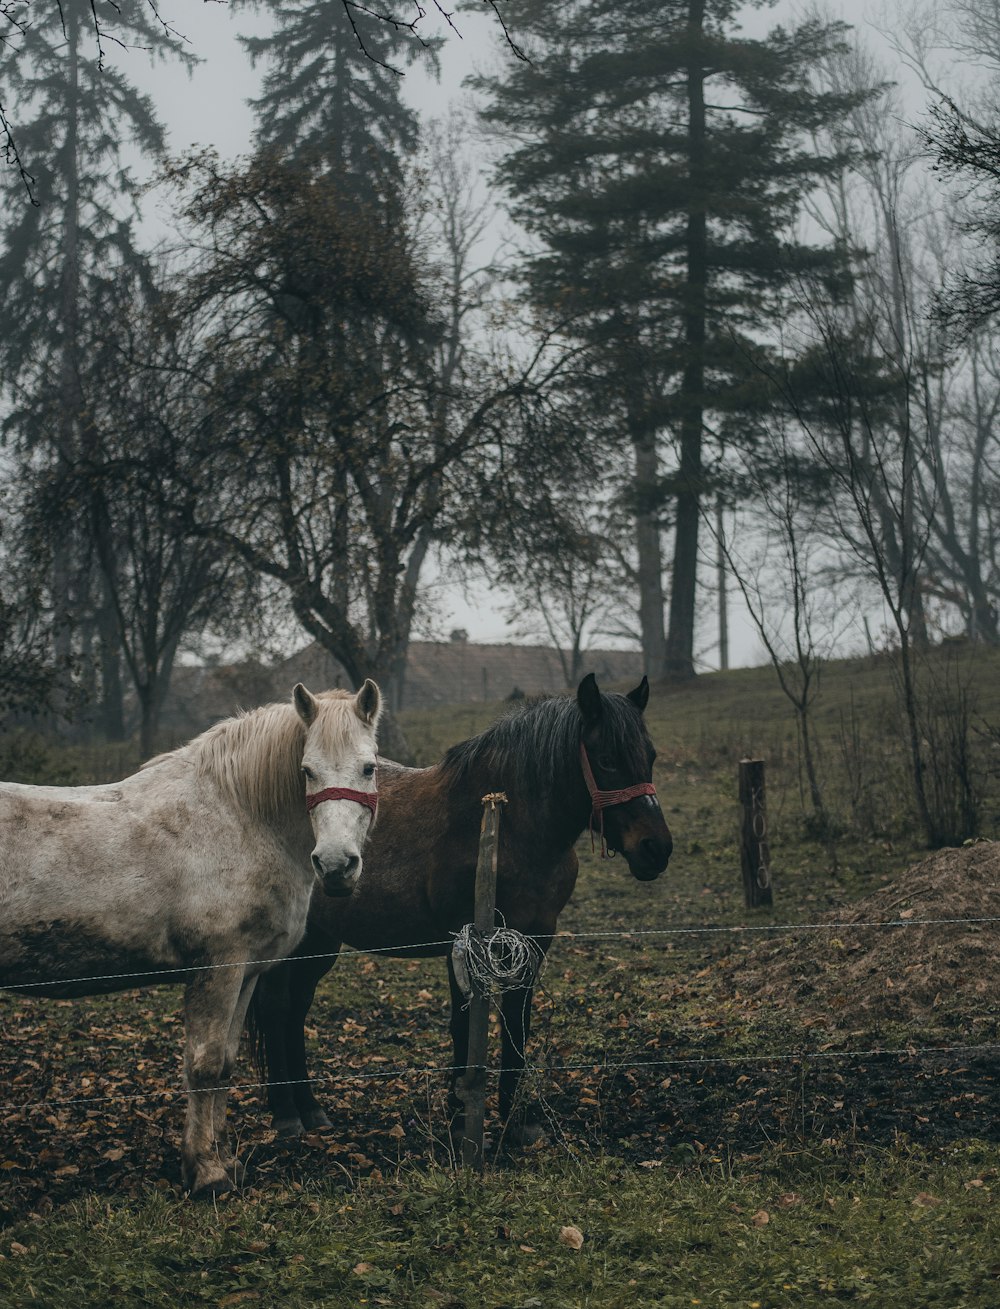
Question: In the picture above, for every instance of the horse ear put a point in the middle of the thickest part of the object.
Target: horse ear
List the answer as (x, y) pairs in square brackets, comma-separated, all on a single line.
[(640, 696), (306, 704), (588, 697), (368, 702)]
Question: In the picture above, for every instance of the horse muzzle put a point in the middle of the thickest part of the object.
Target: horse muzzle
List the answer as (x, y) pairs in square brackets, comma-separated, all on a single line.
[(648, 859), (338, 879)]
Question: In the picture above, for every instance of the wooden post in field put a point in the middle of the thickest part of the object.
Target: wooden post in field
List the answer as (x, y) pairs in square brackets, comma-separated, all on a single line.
[(472, 1085), (755, 854)]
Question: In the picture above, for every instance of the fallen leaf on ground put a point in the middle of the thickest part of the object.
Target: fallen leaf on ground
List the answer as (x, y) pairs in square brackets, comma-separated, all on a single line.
[(571, 1236)]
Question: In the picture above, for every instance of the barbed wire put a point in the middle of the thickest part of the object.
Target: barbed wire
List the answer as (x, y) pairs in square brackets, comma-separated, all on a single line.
[(166, 975), (606, 1064)]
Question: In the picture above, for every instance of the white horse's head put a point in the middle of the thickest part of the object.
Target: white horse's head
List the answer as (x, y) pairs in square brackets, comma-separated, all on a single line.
[(338, 763)]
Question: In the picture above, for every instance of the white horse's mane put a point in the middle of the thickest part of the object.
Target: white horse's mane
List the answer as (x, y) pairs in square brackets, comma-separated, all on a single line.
[(256, 756)]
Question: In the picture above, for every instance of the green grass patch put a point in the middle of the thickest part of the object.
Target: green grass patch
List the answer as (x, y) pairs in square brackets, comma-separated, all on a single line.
[(785, 1228)]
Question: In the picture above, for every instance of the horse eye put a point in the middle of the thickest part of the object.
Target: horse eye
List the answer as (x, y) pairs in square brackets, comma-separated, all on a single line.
[(606, 761), (369, 770), (309, 774)]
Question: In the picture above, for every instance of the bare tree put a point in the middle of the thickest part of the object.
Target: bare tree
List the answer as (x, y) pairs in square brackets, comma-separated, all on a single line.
[(137, 481), (779, 557), (569, 587), (346, 430), (909, 236)]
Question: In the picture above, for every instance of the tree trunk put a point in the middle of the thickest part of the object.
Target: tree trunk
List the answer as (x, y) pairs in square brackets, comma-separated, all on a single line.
[(918, 767), (720, 567), (112, 693), (392, 742), (65, 614), (812, 777), (149, 721), (649, 552), (680, 638)]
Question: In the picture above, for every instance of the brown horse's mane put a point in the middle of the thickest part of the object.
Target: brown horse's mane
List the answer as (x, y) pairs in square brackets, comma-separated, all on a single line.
[(255, 757), (536, 746)]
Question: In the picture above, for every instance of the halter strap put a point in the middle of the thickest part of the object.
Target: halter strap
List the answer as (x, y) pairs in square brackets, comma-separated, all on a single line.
[(367, 798), (601, 800)]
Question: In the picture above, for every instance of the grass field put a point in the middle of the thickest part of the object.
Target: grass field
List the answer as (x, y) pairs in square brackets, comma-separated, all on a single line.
[(712, 1141)]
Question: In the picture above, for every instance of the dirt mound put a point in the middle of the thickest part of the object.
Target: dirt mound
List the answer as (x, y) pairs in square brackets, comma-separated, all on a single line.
[(920, 949)]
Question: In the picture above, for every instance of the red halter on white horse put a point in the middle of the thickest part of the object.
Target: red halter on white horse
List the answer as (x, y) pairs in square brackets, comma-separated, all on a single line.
[(367, 798), (602, 800)]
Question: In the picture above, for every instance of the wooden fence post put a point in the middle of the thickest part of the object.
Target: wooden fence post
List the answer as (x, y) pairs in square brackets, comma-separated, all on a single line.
[(755, 854), (472, 1085)]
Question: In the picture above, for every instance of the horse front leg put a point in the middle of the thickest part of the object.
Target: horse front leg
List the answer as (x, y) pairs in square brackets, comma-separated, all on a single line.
[(306, 976), (522, 1122), (211, 1000), (219, 1122), (271, 1024), (283, 999)]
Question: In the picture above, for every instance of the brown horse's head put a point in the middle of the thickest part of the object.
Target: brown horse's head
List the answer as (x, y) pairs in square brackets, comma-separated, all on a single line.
[(619, 754)]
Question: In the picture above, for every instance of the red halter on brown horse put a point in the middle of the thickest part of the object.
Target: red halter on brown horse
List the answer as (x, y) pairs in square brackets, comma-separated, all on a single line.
[(563, 763)]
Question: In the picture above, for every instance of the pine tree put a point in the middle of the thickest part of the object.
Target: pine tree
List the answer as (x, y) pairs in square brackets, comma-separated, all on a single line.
[(74, 116), (332, 89), (659, 161)]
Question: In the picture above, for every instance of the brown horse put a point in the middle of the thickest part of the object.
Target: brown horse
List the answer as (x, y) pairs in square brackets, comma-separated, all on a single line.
[(419, 876)]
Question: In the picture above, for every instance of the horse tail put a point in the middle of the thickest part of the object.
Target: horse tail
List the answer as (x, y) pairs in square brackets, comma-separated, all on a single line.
[(253, 1026)]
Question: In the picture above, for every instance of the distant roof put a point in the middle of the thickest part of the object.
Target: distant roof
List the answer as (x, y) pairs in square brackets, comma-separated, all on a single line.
[(458, 672), (437, 673)]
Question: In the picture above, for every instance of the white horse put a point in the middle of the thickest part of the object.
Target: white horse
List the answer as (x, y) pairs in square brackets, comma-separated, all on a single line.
[(197, 869)]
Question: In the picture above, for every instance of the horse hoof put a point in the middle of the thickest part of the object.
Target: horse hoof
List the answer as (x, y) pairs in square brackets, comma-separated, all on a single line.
[(315, 1118), (211, 1181), (522, 1135), (288, 1128)]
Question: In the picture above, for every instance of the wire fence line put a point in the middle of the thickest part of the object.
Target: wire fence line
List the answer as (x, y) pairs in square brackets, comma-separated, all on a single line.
[(608, 1065), (401, 951), (909, 1053)]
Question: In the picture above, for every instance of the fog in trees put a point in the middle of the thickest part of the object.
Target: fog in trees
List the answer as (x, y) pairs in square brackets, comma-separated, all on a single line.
[(58, 256)]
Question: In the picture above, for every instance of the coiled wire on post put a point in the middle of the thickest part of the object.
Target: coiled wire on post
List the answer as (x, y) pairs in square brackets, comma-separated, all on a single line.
[(490, 964)]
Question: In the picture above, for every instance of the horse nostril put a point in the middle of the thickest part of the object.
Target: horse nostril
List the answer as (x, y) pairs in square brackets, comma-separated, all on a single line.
[(655, 851), (348, 866)]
